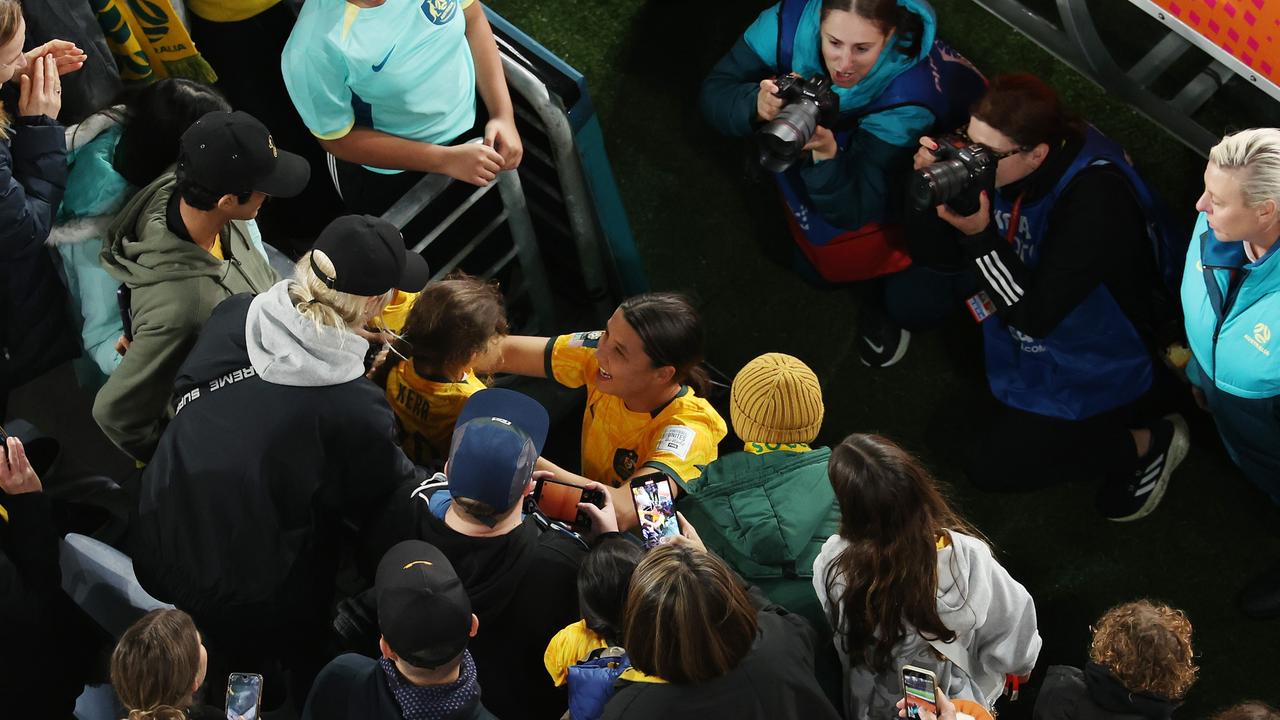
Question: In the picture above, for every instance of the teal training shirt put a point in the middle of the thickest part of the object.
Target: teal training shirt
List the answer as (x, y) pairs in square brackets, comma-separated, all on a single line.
[(403, 68)]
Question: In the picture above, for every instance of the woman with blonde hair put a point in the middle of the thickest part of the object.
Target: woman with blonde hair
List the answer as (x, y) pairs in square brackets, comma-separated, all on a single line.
[(278, 440), (1231, 299), (157, 667)]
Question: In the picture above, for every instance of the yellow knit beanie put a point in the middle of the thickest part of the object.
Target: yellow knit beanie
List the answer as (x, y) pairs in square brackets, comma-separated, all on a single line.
[(776, 399)]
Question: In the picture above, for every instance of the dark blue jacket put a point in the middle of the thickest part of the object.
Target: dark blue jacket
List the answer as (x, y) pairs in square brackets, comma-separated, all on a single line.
[(354, 687), (35, 328)]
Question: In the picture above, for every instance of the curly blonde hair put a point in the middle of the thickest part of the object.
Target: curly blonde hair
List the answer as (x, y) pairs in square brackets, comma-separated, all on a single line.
[(1147, 647)]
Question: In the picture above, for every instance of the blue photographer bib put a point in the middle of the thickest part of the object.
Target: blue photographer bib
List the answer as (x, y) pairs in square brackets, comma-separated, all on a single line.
[(1094, 360)]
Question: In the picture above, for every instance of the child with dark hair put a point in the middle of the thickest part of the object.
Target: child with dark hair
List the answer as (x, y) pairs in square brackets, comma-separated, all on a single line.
[(603, 580), (110, 155), (1141, 665), (451, 326)]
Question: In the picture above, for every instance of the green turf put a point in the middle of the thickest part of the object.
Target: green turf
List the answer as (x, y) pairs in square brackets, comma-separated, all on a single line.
[(704, 227)]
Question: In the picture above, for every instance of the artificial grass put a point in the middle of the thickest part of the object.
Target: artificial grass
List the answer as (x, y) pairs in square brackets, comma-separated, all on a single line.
[(705, 227)]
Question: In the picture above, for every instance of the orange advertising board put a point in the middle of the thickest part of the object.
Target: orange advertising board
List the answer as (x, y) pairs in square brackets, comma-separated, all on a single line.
[(1248, 30)]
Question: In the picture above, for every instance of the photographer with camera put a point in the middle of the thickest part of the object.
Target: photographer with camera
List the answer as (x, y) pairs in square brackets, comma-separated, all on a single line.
[(1052, 233), (836, 93)]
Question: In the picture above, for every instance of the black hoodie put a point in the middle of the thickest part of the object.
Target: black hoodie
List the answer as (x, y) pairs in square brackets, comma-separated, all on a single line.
[(523, 588), (1095, 694)]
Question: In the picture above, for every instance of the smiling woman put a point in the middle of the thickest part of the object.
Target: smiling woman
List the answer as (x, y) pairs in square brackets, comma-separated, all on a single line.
[(646, 402), (879, 58)]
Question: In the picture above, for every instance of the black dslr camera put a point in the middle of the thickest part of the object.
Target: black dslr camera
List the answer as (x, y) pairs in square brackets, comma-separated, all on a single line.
[(962, 172), (808, 104)]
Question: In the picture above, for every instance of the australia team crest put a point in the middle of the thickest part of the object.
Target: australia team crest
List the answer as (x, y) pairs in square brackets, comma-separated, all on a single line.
[(440, 12)]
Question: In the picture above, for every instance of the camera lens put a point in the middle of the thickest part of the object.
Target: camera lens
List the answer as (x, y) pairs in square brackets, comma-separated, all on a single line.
[(933, 185), (782, 139)]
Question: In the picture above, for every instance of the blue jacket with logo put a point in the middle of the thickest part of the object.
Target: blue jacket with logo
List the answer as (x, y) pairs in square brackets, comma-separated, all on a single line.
[(1232, 309)]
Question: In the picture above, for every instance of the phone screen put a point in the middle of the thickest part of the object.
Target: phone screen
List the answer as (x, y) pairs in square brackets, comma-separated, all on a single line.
[(558, 500), (244, 693), (656, 508), (921, 692)]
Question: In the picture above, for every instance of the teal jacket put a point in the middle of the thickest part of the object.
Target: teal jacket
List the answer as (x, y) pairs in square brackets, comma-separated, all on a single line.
[(857, 186), (1230, 327), (95, 193), (767, 516), (1232, 309)]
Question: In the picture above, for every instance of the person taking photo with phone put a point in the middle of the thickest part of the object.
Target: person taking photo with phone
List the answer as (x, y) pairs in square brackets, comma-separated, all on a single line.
[(907, 579), (159, 666), (646, 393)]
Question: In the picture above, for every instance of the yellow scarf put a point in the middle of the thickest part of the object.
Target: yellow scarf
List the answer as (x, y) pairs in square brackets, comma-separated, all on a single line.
[(149, 41)]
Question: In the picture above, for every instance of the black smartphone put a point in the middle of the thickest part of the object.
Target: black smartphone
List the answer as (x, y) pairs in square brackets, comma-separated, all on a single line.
[(244, 696), (559, 500), (124, 300), (655, 502)]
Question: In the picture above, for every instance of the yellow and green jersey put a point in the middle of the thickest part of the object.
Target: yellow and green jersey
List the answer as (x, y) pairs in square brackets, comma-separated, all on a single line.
[(426, 409), (679, 438)]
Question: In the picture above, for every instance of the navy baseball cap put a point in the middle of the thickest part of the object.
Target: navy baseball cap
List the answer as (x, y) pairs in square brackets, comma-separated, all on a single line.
[(232, 153), (423, 608), (369, 257), (496, 441)]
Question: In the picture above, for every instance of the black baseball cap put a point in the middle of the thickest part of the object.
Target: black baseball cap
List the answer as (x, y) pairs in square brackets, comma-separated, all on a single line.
[(423, 610), (232, 153), (369, 257)]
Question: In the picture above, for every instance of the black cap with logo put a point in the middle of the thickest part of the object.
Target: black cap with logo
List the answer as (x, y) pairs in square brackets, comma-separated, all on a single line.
[(369, 257), (423, 609), (231, 153)]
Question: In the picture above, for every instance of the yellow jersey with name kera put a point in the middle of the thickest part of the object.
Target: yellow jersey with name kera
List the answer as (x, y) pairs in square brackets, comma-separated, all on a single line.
[(426, 409), (679, 438)]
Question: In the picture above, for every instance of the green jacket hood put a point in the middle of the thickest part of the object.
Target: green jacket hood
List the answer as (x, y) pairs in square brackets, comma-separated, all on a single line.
[(770, 512), (141, 250)]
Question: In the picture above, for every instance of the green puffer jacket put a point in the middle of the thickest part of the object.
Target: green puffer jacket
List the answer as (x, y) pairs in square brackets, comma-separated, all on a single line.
[(767, 516), (175, 285)]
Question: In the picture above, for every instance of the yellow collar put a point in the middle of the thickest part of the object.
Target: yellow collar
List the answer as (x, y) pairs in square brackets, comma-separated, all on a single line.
[(766, 448)]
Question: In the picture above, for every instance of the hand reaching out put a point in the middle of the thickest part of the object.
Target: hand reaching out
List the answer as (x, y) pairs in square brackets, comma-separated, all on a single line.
[(66, 55), (16, 474), (40, 92)]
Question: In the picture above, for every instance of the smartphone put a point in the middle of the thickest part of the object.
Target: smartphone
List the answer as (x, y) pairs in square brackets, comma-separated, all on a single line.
[(244, 696), (920, 688), (559, 500), (124, 301), (655, 504)]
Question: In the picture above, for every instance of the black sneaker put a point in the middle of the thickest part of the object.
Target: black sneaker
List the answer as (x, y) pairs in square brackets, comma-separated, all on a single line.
[(1143, 492), (880, 342)]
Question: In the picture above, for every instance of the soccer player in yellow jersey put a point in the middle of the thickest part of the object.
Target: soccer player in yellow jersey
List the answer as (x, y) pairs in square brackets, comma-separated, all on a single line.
[(646, 404), (452, 324)]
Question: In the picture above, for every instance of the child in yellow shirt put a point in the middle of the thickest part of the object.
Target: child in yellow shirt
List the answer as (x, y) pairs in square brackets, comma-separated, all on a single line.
[(451, 325)]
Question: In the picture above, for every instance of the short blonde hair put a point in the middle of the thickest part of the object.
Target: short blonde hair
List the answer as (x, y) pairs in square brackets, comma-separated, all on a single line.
[(1255, 154), (1147, 647), (318, 302)]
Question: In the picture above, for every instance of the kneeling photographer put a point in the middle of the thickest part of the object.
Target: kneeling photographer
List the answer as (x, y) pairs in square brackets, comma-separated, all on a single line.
[(1038, 225), (835, 93)]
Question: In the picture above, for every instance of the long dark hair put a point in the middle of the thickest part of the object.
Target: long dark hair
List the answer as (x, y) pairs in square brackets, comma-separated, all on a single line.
[(886, 15), (154, 120), (892, 516), (672, 333), (603, 582), (687, 619)]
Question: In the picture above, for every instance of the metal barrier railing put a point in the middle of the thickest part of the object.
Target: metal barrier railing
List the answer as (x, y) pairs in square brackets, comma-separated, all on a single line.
[(1077, 43), (531, 283)]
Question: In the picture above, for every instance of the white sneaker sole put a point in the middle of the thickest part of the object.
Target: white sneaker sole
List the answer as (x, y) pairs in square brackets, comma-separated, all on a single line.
[(1177, 452)]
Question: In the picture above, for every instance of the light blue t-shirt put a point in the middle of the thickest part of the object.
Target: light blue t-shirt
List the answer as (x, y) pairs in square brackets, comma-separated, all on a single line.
[(403, 68)]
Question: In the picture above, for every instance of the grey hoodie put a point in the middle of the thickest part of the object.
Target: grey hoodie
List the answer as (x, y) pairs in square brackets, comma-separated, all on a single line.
[(286, 348), (993, 616), (175, 284)]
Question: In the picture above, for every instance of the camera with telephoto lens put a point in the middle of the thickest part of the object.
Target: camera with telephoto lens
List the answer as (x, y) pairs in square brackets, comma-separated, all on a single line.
[(807, 104), (962, 172)]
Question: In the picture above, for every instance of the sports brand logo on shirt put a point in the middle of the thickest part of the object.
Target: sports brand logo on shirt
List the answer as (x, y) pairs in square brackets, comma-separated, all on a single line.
[(1260, 337), (385, 58), (440, 12)]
